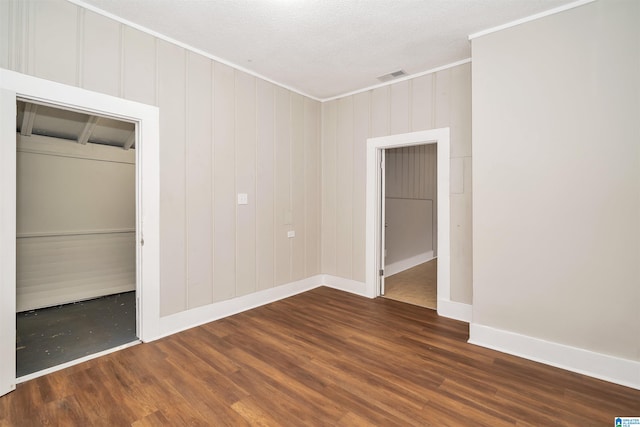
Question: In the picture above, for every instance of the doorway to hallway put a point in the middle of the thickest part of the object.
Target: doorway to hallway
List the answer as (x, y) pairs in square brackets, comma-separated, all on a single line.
[(411, 224), (375, 212)]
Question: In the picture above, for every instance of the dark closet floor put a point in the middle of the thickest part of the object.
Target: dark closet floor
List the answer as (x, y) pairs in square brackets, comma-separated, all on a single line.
[(51, 336)]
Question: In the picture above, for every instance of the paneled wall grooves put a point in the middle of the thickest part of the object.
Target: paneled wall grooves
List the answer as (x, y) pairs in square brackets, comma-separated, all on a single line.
[(410, 100), (156, 43), (328, 187), (318, 187), (312, 185), (335, 159), (187, 280), (6, 34), (313, 269), (225, 184), (10, 31), (403, 169), (80, 46), (213, 177), (434, 88), (389, 109), (337, 183), (255, 181), (306, 196), (155, 99), (303, 142), (303, 228), (20, 31), (28, 34), (121, 49), (275, 205), (245, 135), (157, 77), (352, 183), (352, 142), (235, 180), (362, 131), (291, 161)]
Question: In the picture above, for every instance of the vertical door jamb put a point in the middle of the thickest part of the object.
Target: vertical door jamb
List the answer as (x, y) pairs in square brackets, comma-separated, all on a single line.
[(7, 241), (383, 190)]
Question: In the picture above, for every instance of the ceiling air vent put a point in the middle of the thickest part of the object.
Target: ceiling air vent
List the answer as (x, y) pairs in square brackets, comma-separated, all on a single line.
[(391, 76)]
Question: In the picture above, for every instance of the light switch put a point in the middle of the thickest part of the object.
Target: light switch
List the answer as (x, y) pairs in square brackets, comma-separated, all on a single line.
[(243, 198), (291, 233)]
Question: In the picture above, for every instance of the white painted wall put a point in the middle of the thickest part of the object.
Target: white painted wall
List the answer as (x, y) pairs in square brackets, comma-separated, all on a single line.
[(222, 132), (556, 178), (440, 99), (75, 221)]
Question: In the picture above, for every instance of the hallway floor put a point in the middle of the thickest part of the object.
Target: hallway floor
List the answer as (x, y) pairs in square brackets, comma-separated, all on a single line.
[(417, 285)]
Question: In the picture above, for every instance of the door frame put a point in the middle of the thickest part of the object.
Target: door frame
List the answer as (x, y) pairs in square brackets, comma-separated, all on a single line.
[(16, 85), (375, 153)]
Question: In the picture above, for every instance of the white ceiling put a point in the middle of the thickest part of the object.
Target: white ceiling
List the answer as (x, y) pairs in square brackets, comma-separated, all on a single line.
[(325, 48)]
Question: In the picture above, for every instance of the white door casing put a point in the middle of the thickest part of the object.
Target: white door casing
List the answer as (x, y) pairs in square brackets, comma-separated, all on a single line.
[(374, 216), (15, 85), (7, 236), (383, 219)]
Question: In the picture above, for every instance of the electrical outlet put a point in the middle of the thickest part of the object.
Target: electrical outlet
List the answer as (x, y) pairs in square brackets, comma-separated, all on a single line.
[(291, 234)]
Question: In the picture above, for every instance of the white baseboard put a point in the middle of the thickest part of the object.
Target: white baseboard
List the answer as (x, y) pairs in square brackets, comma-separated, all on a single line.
[(446, 308), (454, 310), (405, 264), (608, 368), (347, 285), (208, 313)]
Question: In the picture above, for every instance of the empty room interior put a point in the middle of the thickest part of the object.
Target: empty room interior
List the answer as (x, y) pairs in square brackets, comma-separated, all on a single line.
[(319, 213)]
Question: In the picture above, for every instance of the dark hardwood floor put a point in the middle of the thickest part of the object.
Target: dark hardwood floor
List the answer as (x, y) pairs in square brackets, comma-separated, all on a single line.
[(324, 357)]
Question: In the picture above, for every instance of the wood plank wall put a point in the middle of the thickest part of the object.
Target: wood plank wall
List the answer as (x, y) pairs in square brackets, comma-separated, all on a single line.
[(75, 221), (411, 172), (222, 132), (432, 101)]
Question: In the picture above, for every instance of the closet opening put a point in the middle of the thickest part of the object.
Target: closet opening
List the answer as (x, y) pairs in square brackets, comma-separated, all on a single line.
[(75, 235), (145, 119)]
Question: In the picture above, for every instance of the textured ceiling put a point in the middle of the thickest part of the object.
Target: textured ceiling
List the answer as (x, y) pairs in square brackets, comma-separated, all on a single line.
[(325, 48)]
